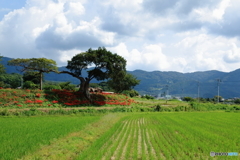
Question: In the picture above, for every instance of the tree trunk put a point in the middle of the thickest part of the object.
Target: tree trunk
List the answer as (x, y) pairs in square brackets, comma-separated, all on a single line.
[(86, 91), (84, 86)]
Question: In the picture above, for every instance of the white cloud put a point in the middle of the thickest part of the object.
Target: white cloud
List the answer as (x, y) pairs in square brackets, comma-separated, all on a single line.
[(211, 15), (153, 57), (37, 31), (204, 52), (233, 55), (67, 55), (49, 28), (75, 8), (184, 36), (150, 57), (220, 10)]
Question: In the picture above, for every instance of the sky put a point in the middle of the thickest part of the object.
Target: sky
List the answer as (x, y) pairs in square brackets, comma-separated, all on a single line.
[(152, 35)]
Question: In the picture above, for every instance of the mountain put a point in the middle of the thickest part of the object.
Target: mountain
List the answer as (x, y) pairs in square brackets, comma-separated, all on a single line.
[(186, 84), (9, 69), (174, 83)]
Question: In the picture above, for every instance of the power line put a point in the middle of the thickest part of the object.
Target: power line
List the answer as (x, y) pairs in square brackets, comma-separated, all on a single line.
[(218, 81), (198, 90), (231, 81)]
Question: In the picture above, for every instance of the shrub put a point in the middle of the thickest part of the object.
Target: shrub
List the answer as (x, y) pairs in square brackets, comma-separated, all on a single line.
[(67, 86), (29, 85), (237, 101), (188, 99), (131, 93), (2, 84), (4, 112), (148, 97), (158, 108), (51, 86)]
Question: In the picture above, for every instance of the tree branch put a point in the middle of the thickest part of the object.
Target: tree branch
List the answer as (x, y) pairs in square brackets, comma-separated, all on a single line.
[(70, 73)]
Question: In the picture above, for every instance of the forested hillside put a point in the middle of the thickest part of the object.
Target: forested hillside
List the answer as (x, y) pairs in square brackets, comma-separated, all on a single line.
[(174, 83), (187, 84)]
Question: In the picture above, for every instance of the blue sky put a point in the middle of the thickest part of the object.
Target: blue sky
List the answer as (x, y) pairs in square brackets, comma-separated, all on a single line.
[(176, 35), (9, 5), (12, 4)]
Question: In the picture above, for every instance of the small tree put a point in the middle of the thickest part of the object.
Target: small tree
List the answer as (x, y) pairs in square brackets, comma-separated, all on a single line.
[(33, 76), (131, 93), (100, 64), (49, 85), (104, 86), (2, 68), (42, 65), (188, 99), (237, 101), (119, 84), (10, 80), (29, 85)]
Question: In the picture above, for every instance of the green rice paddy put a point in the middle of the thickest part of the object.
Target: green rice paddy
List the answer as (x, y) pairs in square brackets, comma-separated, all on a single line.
[(23, 135), (183, 135), (168, 136)]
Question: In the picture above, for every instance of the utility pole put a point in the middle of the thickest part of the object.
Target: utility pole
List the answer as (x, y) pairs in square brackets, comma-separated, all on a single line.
[(198, 91), (167, 90), (218, 82), (182, 92)]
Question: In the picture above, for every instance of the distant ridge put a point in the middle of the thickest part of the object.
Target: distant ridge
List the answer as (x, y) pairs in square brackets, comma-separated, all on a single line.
[(178, 84), (186, 84)]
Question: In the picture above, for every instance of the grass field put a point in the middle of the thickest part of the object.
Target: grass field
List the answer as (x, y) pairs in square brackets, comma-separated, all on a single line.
[(183, 135)]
